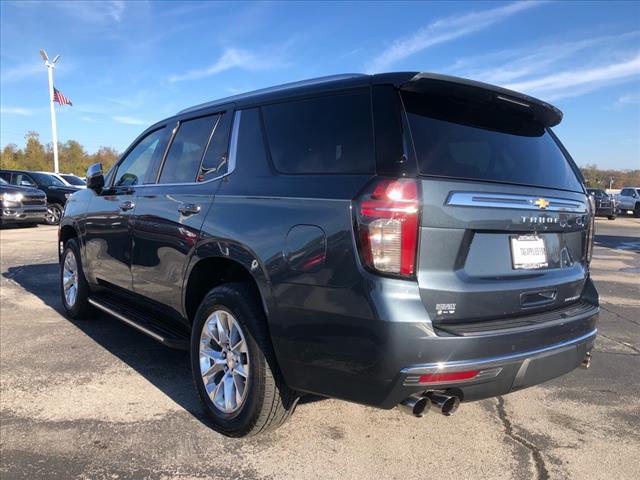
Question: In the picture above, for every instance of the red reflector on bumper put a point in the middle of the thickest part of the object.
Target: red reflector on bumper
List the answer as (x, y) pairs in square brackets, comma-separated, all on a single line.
[(447, 377)]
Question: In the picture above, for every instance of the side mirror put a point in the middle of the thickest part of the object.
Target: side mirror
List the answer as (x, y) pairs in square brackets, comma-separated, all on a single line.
[(95, 177)]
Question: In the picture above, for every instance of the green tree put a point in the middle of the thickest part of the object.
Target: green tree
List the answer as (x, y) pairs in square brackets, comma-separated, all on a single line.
[(11, 156), (34, 153)]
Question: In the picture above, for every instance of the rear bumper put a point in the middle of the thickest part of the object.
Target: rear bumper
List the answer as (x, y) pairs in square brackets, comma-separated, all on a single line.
[(606, 212), (23, 214), (379, 362), (497, 375)]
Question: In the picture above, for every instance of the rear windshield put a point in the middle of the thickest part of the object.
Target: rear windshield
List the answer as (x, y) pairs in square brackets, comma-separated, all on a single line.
[(462, 140)]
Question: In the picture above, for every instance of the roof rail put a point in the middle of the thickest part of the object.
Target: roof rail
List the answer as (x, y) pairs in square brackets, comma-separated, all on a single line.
[(276, 88)]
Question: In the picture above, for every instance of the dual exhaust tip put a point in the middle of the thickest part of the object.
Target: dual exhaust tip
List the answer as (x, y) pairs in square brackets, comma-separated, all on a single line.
[(418, 405)]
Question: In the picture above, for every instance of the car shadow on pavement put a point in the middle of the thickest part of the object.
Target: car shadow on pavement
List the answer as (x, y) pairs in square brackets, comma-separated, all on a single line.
[(619, 242), (167, 369)]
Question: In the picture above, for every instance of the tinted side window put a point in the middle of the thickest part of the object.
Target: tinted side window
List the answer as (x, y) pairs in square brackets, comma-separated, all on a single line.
[(215, 159), (6, 176), (185, 154), (133, 169), (321, 135), (22, 179)]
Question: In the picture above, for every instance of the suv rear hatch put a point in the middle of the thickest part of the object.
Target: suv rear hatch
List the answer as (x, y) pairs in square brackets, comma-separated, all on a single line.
[(504, 217)]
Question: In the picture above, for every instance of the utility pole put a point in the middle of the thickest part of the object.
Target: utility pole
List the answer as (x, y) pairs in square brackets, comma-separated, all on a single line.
[(54, 130)]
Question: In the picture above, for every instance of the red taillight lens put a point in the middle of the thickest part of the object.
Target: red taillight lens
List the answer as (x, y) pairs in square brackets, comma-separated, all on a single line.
[(447, 377), (387, 218), (590, 227)]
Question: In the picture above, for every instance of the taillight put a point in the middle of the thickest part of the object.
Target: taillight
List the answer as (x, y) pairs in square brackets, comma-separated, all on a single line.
[(590, 227), (387, 219), (448, 377)]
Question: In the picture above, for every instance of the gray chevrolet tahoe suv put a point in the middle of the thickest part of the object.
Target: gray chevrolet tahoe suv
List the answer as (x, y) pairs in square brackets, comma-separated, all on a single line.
[(404, 239)]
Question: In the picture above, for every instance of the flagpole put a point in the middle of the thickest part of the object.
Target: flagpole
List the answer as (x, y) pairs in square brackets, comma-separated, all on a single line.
[(54, 128)]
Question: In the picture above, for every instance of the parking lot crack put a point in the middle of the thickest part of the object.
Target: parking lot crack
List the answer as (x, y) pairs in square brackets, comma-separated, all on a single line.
[(621, 317), (541, 470), (626, 344)]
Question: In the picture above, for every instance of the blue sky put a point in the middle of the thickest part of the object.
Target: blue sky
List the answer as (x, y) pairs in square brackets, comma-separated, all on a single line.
[(126, 65)]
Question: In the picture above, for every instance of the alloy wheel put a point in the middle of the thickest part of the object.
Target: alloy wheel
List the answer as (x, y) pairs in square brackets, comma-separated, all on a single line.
[(224, 361), (53, 215), (70, 278)]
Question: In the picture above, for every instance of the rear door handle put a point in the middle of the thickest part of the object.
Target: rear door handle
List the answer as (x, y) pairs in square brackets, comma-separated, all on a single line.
[(189, 209), (127, 205)]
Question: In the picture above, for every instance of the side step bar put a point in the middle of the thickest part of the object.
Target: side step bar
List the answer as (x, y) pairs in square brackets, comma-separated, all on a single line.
[(180, 342)]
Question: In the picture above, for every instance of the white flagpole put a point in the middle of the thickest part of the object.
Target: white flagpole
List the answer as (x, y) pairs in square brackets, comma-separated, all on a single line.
[(54, 129)]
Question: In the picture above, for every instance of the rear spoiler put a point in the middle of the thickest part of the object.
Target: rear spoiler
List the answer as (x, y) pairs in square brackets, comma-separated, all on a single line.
[(542, 112)]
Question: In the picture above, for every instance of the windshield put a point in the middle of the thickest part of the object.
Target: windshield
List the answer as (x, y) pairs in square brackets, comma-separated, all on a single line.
[(463, 140), (3, 181), (73, 180), (596, 192), (46, 180)]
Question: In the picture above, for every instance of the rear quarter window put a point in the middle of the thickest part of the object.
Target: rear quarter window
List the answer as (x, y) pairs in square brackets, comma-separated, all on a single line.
[(326, 135), (458, 140)]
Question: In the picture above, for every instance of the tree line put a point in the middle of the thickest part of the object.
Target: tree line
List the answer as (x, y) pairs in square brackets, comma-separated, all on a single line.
[(73, 158), (598, 178)]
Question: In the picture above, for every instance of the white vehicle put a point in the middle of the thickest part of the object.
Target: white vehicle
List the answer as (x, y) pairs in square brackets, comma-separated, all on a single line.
[(69, 179), (629, 199)]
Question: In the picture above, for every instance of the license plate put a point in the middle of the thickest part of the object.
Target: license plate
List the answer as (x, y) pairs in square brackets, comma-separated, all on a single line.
[(528, 251)]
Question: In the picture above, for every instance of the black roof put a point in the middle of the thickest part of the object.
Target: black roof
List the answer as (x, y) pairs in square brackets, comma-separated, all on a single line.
[(545, 113)]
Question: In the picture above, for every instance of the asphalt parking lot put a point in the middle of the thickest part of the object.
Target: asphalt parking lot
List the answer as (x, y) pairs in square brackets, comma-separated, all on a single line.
[(95, 399)]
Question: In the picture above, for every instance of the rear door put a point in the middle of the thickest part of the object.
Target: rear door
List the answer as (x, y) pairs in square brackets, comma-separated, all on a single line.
[(504, 215), (170, 212), (108, 229)]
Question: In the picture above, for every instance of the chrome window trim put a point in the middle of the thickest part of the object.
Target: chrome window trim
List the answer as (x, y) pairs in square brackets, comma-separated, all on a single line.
[(514, 201), (233, 148), (481, 363)]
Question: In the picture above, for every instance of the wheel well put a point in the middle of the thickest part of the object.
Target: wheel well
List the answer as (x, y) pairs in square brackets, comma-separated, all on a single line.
[(209, 273), (66, 233)]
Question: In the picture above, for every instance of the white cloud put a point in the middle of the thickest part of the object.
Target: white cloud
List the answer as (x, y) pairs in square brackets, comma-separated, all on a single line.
[(445, 30), (521, 62), (88, 119), (22, 71), (579, 81), (629, 99), (129, 120), (94, 11), (16, 111), (230, 58)]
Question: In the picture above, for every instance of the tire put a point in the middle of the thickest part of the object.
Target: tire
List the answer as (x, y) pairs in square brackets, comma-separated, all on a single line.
[(636, 210), (79, 306), (611, 217), (265, 401), (54, 214)]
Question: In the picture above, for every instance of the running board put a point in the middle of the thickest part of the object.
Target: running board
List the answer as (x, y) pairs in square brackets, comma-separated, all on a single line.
[(162, 335)]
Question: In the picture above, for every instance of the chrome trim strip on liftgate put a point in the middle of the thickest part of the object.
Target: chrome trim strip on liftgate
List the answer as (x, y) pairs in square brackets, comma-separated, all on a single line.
[(519, 202)]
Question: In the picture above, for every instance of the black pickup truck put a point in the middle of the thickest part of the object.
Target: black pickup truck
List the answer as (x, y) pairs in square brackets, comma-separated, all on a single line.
[(55, 190), (21, 205)]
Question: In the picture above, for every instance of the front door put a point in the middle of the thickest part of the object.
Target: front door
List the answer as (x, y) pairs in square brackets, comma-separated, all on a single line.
[(108, 241), (170, 214)]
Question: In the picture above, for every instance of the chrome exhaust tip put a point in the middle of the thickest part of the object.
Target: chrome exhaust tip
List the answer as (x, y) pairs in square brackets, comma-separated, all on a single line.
[(586, 361), (447, 404), (415, 405)]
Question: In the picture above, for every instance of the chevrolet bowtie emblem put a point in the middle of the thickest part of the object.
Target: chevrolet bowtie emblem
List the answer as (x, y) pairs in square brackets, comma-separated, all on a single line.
[(541, 203)]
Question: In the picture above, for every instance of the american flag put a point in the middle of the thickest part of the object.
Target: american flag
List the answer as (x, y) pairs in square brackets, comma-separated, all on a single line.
[(60, 98)]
